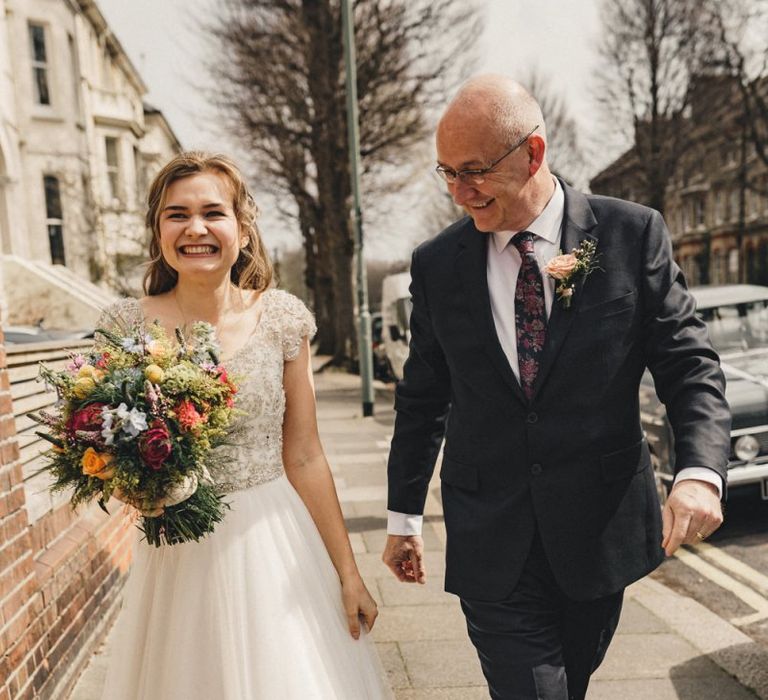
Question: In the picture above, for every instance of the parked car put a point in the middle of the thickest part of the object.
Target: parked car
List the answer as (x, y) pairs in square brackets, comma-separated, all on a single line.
[(737, 318), (381, 367)]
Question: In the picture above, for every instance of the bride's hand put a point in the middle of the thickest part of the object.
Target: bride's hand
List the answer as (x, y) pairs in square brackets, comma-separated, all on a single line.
[(358, 603), (146, 508)]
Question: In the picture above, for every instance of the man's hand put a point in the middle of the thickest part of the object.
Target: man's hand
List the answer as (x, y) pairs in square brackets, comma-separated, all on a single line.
[(692, 513), (404, 555)]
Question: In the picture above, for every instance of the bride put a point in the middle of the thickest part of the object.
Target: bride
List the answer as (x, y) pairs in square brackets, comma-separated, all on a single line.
[(271, 605)]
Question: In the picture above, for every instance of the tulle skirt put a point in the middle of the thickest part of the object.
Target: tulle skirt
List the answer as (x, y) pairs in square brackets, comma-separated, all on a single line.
[(252, 611)]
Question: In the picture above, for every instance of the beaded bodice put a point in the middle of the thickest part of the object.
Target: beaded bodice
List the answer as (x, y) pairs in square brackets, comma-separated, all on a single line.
[(253, 452)]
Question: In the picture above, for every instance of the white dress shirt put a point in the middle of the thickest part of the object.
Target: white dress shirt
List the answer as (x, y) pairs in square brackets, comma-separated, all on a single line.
[(503, 267)]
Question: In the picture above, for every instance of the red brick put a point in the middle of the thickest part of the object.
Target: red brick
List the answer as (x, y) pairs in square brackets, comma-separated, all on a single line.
[(15, 573), (10, 450), (13, 523), (7, 426)]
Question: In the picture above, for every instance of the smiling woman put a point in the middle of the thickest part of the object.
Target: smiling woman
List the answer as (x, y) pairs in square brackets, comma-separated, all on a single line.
[(278, 573)]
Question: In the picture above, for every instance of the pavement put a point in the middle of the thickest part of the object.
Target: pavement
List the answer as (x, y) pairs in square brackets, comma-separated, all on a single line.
[(667, 645)]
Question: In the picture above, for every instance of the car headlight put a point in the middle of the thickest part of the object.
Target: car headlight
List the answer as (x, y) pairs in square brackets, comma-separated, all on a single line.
[(746, 448)]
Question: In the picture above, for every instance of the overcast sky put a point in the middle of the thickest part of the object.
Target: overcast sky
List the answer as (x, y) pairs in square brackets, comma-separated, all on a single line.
[(558, 38)]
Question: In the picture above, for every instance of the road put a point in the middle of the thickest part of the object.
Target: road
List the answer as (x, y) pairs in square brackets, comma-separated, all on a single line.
[(729, 572)]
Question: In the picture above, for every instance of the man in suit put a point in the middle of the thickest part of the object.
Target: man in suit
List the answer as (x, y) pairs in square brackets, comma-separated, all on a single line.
[(547, 486)]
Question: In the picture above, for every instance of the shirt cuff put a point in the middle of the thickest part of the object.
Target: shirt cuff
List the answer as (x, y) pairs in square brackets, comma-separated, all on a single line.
[(702, 474), (403, 524)]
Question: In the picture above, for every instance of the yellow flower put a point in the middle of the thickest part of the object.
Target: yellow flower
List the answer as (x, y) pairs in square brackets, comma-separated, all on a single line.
[(91, 372), (83, 387), (98, 464), (157, 348), (154, 373)]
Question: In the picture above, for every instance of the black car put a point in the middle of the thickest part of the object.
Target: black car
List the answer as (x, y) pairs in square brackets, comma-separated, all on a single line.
[(737, 318)]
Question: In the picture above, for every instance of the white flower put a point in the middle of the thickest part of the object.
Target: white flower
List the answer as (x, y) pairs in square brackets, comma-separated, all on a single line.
[(107, 432), (133, 421), (135, 345), (130, 422)]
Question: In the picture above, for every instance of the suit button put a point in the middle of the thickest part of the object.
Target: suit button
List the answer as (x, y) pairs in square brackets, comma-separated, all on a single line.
[(536, 469), (532, 418)]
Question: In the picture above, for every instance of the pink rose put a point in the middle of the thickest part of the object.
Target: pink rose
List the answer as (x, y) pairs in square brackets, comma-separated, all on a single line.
[(155, 445), (561, 266)]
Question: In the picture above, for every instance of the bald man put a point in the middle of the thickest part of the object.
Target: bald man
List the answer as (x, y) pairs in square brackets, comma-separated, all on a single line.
[(531, 375)]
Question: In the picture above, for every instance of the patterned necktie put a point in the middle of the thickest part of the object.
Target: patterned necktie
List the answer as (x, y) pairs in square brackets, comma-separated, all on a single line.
[(530, 312)]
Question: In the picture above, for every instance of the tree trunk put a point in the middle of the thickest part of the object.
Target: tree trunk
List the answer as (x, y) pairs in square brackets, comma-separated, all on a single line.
[(331, 157)]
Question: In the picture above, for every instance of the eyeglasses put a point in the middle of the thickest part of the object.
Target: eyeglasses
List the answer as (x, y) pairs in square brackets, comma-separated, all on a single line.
[(477, 176)]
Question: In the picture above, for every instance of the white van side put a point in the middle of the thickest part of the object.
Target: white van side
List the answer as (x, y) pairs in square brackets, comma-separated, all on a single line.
[(396, 315)]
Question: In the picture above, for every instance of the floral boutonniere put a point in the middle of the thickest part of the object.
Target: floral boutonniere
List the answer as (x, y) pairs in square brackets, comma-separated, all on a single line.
[(568, 269)]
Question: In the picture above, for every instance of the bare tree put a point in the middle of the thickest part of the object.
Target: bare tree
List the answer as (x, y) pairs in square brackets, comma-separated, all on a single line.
[(565, 153), (740, 51), (279, 75), (651, 49)]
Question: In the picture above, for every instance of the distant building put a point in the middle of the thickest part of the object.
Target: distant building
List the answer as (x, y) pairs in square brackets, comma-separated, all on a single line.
[(717, 198), (77, 144)]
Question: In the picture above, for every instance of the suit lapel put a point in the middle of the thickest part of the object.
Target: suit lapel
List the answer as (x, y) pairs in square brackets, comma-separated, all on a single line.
[(471, 265), (578, 222)]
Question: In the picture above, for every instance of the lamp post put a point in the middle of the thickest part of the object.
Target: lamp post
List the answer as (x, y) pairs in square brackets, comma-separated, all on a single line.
[(364, 315)]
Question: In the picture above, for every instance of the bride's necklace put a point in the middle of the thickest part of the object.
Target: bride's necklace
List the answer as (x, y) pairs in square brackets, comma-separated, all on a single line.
[(218, 326)]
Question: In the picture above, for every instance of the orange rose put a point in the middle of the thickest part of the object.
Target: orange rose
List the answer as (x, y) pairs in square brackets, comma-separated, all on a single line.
[(561, 266), (98, 464)]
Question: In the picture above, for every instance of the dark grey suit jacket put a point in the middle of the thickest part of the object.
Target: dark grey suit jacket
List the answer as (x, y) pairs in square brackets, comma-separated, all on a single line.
[(571, 463)]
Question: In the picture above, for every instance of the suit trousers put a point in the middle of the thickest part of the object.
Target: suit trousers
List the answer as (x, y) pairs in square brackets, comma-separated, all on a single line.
[(537, 644)]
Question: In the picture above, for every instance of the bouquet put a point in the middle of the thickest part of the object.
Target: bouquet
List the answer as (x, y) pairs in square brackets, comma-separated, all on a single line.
[(139, 417)]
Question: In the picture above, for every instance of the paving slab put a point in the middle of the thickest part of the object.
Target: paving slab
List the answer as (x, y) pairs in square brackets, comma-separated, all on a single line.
[(420, 623), (442, 664)]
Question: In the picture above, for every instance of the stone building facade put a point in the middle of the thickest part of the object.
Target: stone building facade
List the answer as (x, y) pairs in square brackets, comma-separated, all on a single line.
[(717, 198), (77, 144)]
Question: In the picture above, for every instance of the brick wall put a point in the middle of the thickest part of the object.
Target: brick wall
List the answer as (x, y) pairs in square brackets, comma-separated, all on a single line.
[(60, 577)]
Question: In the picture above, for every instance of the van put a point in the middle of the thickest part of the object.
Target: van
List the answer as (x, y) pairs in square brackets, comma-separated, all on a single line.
[(396, 314)]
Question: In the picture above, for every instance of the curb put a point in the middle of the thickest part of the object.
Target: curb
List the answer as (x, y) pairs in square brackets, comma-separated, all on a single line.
[(732, 650)]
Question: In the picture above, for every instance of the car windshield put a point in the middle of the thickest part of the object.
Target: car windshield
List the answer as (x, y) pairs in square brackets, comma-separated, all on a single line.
[(737, 326)]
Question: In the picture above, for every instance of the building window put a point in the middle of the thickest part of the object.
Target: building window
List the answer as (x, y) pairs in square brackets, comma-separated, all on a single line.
[(733, 266), (720, 260), (54, 219), (138, 170), (113, 167), (733, 213), (39, 64), (699, 212), (719, 207), (75, 69)]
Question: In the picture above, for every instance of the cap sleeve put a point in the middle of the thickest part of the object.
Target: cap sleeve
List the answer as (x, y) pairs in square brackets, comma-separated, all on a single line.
[(296, 322)]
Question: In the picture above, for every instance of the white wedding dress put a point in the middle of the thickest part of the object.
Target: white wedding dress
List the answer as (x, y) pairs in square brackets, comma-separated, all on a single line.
[(254, 610)]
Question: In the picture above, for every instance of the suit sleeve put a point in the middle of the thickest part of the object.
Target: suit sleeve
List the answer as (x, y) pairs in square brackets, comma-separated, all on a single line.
[(684, 365), (422, 402)]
